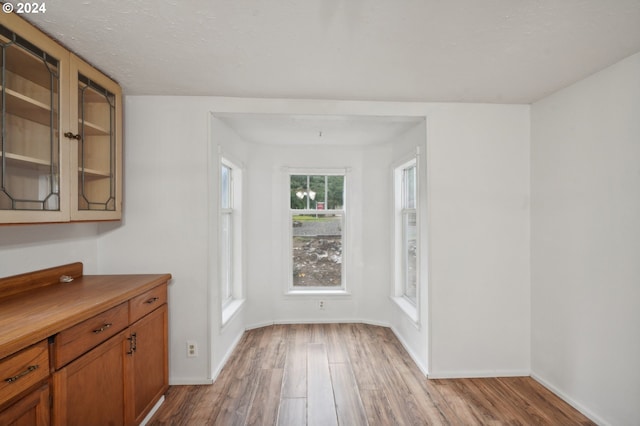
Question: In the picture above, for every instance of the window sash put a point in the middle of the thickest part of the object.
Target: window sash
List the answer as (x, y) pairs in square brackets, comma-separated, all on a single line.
[(322, 194), (323, 256), (409, 187), (226, 255), (409, 254)]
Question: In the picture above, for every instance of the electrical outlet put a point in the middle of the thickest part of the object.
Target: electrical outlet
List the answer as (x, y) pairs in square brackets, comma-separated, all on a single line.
[(192, 349), (321, 305)]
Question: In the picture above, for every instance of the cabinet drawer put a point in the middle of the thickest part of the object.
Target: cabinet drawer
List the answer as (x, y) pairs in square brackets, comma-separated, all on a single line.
[(147, 302), (21, 371), (75, 341)]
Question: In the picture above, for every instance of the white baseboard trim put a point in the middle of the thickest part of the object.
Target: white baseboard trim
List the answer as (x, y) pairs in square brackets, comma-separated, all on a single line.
[(226, 357), (477, 374), (258, 325), (376, 323), (182, 381), (153, 411), (316, 321), (200, 381), (419, 363), (572, 402)]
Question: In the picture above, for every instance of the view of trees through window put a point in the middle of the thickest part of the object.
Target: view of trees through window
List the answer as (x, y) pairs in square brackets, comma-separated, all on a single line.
[(317, 213)]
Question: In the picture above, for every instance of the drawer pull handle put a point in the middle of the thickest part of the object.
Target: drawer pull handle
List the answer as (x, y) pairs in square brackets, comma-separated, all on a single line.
[(103, 328), (24, 373), (152, 300)]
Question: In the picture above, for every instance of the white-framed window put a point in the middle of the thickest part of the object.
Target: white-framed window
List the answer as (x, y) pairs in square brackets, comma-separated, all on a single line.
[(317, 212), (230, 238), (406, 237)]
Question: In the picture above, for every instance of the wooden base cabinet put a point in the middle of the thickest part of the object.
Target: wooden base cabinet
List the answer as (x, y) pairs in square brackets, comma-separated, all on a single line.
[(31, 410), (118, 382), (148, 367), (24, 388), (85, 350), (89, 391)]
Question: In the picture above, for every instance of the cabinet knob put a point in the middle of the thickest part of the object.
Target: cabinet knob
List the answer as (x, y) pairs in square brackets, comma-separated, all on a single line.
[(72, 136)]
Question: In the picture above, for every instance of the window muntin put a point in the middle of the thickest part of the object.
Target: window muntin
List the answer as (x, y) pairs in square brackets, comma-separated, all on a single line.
[(317, 239)]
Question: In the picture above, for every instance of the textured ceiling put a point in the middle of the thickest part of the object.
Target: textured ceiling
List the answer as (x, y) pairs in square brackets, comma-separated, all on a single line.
[(499, 51)]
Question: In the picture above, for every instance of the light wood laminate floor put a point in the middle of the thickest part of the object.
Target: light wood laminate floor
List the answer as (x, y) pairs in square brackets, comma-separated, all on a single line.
[(351, 374)]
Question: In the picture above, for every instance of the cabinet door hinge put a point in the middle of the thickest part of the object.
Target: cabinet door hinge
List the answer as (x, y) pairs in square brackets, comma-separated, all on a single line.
[(133, 341)]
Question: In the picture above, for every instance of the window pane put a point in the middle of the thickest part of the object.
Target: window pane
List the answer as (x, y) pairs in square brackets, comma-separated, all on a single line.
[(316, 191), (335, 188), (410, 246), (226, 256), (409, 187), (225, 188), (317, 250), (298, 189)]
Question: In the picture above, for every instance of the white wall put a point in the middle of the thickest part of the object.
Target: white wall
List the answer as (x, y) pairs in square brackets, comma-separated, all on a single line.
[(413, 334), (478, 178), (165, 218), (585, 154), (224, 142), (268, 223), (25, 248)]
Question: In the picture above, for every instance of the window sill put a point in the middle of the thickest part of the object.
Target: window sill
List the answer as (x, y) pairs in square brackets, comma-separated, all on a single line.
[(231, 309), (317, 292), (408, 308)]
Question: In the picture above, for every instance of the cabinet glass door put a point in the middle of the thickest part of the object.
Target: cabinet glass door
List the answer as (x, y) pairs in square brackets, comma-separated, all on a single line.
[(96, 146), (29, 127)]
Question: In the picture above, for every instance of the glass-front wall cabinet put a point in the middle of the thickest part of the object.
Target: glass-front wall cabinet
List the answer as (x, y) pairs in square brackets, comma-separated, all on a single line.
[(96, 146), (30, 141), (60, 132)]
